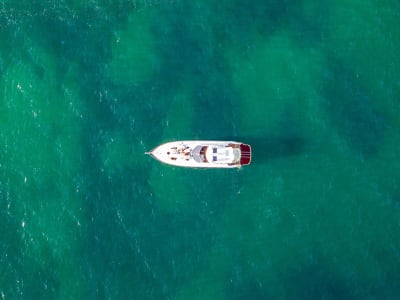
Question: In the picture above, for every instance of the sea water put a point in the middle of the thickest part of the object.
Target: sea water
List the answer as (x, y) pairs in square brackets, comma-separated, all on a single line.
[(86, 87)]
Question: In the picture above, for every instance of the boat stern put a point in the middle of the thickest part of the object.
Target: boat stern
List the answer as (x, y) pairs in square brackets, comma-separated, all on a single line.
[(245, 154)]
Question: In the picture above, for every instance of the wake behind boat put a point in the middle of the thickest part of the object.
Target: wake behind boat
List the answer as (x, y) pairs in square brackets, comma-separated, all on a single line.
[(203, 154)]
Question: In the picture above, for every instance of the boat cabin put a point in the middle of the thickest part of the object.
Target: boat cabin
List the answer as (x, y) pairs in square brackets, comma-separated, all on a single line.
[(216, 154)]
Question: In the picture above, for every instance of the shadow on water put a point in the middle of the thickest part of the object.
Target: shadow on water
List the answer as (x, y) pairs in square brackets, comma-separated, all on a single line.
[(269, 148)]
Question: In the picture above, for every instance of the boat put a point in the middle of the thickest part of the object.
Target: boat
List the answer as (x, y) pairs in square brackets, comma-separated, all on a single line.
[(203, 154)]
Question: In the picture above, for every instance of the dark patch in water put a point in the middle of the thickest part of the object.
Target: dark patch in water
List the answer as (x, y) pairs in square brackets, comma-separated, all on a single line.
[(307, 30), (270, 16), (396, 200), (351, 108), (39, 71), (190, 59), (314, 281), (267, 15), (76, 41)]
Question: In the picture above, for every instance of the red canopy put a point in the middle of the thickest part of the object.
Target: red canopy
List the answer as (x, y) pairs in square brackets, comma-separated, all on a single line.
[(245, 156)]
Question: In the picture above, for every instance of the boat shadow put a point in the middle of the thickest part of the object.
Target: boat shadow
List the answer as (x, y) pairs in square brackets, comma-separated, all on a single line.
[(266, 149)]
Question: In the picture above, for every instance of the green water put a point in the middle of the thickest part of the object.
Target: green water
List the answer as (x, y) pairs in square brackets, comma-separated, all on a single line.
[(86, 87)]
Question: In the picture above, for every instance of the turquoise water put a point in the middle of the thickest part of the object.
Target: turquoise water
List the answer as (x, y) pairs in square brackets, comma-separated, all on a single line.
[(86, 87)]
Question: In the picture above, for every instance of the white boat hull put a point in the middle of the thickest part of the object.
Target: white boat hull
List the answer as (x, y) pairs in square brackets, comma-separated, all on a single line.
[(203, 154)]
